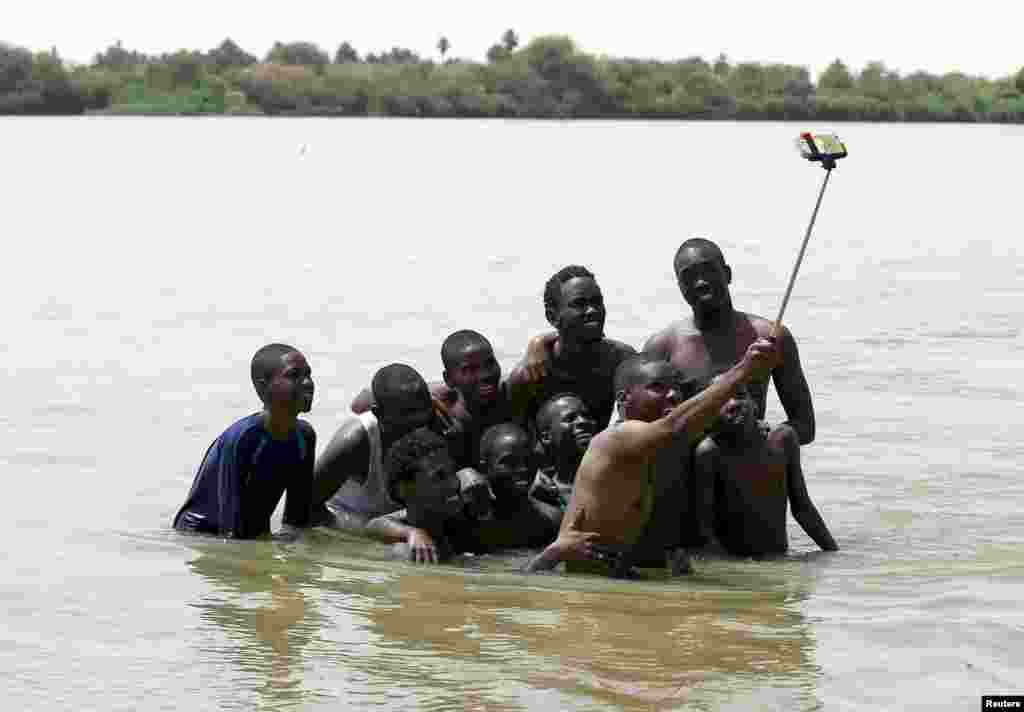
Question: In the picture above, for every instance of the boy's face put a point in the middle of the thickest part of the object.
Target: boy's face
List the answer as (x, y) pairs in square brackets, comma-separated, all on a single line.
[(581, 313), (291, 387), (510, 467), (703, 278), (437, 485), (570, 427), (738, 412), (475, 374), (659, 390)]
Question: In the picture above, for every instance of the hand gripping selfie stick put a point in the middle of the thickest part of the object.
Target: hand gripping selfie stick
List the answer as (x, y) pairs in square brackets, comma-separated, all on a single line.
[(825, 149)]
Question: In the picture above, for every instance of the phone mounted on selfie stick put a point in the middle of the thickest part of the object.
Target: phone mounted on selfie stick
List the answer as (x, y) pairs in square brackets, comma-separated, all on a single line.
[(825, 149)]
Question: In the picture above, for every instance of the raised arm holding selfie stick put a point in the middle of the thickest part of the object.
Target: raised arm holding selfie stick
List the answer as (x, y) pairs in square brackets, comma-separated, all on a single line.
[(825, 149)]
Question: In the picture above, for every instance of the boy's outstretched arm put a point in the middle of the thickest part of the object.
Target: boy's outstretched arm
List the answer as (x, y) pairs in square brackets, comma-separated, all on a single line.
[(391, 529), (346, 455), (804, 511)]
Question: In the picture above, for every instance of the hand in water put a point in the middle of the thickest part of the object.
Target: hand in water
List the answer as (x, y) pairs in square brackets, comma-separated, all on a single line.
[(576, 545), (422, 549)]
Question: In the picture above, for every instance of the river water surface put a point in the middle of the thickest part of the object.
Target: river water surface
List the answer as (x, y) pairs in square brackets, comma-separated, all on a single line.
[(147, 259)]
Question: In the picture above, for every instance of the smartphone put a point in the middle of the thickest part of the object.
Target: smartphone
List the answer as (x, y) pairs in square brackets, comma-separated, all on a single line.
[(821, 147)]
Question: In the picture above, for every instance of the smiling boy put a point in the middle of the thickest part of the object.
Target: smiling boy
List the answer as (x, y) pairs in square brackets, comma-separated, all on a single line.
[(260, 457), (422, 476), (744, 479)]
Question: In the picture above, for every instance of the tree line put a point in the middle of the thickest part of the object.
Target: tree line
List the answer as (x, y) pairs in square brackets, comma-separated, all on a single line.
[(547, 78)]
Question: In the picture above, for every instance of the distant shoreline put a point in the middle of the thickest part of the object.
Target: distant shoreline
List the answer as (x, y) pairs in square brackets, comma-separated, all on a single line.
[(549, 79)]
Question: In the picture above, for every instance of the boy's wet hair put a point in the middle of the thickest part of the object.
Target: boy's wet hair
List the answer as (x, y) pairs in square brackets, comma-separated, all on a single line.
[(628, 372), (553, 289), (540, 421), (456, 343), (406, 452), (497, 432), (697, 243), (265, 364), (395, 378)]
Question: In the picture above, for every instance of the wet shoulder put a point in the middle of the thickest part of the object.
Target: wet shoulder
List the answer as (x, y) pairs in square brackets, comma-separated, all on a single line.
[(755, 324)]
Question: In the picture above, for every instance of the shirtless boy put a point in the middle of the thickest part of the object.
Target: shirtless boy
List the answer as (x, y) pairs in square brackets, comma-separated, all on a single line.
[(260, 457), (580, 359), (743, 481), (350, 485), (716, 335), (518, 519), (421, 475), (471, 394), (564, 430), (613, 493)]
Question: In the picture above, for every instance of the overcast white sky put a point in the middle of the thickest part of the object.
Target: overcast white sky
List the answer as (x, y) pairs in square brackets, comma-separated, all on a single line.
[(979, 37)]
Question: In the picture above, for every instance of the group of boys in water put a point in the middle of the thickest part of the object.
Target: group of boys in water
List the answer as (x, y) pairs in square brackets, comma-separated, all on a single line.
[(476, 463)]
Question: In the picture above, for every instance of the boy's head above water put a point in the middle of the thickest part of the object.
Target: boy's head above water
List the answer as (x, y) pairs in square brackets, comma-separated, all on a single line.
[(738, 414), (401, 399), (647, 388), (421, 474), (507, 458), (470, 366), (565, 426), (283, 379)]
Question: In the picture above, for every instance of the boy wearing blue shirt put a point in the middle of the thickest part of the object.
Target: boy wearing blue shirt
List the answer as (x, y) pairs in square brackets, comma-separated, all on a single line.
[(260, 457)]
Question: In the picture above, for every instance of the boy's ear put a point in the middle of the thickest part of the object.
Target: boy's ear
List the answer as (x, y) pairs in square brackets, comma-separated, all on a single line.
[(728, 274), (447, 380), (544, 437)]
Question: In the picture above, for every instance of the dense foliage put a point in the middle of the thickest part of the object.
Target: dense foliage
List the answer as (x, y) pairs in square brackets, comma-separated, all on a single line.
[(547, 78)]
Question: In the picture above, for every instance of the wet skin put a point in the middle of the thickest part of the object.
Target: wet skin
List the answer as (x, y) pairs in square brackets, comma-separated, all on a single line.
[(288, 393), (520, 520), (581, 360), (744, 481), (717, 335), (612, 496)]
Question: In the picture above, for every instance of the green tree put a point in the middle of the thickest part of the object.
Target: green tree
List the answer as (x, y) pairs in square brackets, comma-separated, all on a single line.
[(721, 66), (836, 76), (116, 57), (509, 40), (301, 53), (346, 54), (47, 67), (496, 53), (1018, 81), (443, 45), (15, 67), (228, 54), (747, 79)]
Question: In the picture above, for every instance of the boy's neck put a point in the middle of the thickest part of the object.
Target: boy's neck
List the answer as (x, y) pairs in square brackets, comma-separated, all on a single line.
[(279, 425)]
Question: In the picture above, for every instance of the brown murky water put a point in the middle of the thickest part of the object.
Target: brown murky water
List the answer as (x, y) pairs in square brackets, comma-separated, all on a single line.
[(147, 260)]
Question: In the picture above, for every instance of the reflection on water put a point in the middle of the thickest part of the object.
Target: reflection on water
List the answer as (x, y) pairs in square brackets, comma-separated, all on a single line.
[(259, 605), (322, 622)]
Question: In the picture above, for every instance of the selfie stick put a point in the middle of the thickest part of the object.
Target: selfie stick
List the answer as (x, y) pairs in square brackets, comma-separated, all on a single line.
[(828, 162)]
